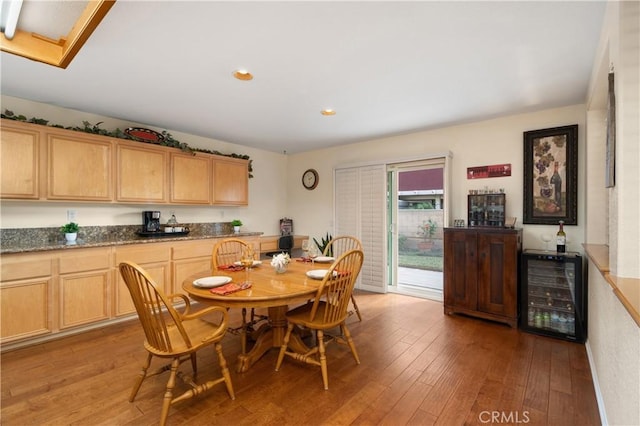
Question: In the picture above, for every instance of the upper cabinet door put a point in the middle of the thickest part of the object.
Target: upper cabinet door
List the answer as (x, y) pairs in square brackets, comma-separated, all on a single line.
[(190, 179), (47, 163), (79, 167), (19, 161), (230, 181), (142, 173)]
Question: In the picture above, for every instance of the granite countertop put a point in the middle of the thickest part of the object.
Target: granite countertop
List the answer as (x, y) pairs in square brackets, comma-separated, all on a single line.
[(43, 239)]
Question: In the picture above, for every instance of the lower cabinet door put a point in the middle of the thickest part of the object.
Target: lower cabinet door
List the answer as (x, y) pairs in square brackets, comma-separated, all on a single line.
[(84, 298), (25, 309), (159, 272), (498, 275), (183, 268)]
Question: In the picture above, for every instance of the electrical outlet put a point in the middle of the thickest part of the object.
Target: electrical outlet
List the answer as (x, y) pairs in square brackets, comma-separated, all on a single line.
[(71, 216)]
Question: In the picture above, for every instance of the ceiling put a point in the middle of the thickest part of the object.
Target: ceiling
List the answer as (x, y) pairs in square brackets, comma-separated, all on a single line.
[(386, 68)]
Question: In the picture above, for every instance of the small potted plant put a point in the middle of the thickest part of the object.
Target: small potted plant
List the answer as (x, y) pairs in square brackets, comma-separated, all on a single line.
[(236, 223), (427, 231), (70, 231)]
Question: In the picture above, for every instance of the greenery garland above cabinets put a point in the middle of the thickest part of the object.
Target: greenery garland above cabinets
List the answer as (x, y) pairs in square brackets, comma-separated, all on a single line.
[(167, 139)]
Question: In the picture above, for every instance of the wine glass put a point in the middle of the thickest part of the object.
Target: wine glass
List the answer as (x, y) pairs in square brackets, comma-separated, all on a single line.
[(547, 239), (247, 261), (305, 248), (313, 253)]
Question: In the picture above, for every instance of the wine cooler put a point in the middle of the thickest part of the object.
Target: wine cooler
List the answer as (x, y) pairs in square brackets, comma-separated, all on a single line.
[(553, 296)]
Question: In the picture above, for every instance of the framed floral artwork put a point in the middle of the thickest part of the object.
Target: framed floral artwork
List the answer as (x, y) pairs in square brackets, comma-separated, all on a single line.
[(551, 176)]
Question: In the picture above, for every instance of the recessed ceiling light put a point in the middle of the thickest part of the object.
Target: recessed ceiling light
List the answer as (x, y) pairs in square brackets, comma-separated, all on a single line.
[(243, 75), (328, 111)]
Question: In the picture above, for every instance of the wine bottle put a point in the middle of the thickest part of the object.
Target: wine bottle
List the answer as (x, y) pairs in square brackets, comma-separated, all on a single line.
[(561, 239), (556, 181)]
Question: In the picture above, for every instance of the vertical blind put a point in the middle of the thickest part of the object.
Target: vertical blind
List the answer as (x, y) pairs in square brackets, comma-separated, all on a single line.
[(360, 209)]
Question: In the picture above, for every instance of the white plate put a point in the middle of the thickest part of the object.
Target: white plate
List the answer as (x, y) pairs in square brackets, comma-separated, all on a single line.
[(255, 263), (325, 259), (211, 282), (318, 274)]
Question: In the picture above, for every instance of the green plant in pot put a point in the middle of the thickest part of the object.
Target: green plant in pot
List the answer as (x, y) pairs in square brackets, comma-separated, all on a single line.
[(236, 223), (70, 231), (427, 231), (322, 244)]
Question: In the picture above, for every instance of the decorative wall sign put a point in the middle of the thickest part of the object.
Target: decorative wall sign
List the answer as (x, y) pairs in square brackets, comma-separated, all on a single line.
[(144, 135), (551, 176), (481, 172)]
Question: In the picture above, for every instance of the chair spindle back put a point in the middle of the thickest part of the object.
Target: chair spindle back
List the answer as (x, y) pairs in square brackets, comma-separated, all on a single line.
[(226, 252), (337, 286), (155, 313), (340, 245)]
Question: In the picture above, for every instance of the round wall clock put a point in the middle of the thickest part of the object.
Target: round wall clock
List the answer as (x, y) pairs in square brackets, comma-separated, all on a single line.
[(310, 179)]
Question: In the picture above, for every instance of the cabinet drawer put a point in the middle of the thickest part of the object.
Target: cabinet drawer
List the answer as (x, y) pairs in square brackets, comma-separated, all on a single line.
[(85, 260), (191, 249), (21, 266), (267, 246), (144, 253)]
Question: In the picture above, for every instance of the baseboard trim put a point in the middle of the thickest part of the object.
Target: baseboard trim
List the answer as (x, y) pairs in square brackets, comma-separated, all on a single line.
[(596, 385)]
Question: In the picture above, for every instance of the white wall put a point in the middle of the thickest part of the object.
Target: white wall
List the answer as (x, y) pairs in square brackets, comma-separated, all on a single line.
[(489, 142), (614, 338), (276, 190), (614, 353)]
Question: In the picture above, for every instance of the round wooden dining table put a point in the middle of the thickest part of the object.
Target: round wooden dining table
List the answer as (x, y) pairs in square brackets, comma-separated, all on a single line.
[(269, 289)]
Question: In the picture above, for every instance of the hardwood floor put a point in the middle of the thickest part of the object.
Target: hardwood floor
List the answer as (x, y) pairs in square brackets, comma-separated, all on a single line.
[(419, 367)]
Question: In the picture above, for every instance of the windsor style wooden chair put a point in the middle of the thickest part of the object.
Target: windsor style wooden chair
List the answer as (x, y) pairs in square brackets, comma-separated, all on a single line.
[(336, 247), (327, 310), (174, 335)]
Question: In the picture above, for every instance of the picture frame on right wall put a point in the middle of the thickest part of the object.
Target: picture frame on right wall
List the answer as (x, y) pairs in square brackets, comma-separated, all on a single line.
[(551, 176), (610, 159)]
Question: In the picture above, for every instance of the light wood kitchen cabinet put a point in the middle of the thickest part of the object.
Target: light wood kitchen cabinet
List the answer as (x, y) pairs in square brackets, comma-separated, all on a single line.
[(481, 272), (19, 161), (142, 173), (79, 167), (84, 286), (46, 163), (153, 258), (67, 291), (26, 294), (190, 257), (230, 181), (190, 178)]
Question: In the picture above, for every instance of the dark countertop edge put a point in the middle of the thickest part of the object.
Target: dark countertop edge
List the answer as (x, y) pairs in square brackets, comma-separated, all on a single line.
[(140, 240)]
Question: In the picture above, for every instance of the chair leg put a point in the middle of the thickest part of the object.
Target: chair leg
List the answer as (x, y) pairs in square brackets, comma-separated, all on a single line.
[(323, 359), (285, 343), (347, 335), (168, 394), (194, 364), (140, 378), (225, 370), (355, 306)]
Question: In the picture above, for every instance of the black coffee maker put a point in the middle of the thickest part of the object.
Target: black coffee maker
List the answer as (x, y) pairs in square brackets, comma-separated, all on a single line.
[(151, 221)]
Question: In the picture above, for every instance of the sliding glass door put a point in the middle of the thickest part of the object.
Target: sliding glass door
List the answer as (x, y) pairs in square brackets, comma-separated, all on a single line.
[(416, 217)]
